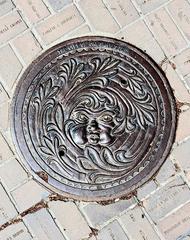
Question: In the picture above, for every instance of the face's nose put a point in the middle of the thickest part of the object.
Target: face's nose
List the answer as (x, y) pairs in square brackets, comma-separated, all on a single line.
[(92, 126)]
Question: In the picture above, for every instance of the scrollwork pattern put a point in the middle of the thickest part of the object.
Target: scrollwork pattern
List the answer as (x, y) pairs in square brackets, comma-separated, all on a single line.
[(84, 115)]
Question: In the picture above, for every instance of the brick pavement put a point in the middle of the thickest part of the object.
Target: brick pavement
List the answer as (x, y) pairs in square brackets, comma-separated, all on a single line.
[(160, 209)]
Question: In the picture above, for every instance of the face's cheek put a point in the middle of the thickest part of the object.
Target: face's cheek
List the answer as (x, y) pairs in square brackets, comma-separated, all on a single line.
[(78, 134), (105, 135)]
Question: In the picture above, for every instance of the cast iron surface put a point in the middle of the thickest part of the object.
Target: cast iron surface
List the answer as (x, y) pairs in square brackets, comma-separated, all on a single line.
[(94, 118)]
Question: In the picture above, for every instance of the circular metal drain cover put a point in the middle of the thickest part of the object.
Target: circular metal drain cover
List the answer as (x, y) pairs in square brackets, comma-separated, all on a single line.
[(94, 117)]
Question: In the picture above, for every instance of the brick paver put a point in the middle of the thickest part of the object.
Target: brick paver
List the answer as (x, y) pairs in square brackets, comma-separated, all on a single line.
[(58, 4), (60, 209), (9, 173), (60, 24), (137, 225), (43, 226), (147, 6), (167, 198), (144, 39), (98, 214), (108, 24), (7, 209), (180, 12), (166, 32), (5, 6), (35, 193), (10, 66), (183, 62), (35, 10), (123, 11), (31, 46), (10, 26), (160, 209), (16, 231), (176, 224), (112, 231)]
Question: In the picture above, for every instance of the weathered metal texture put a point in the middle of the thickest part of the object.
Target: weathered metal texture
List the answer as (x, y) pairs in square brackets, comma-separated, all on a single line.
[(94, 117)]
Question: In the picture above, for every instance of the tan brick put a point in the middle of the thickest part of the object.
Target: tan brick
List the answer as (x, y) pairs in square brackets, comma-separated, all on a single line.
[(35, 10), (145, 40), (5, 6), (35, 193), (60, 24), (12, 174), (176, 224), (16, 231), (4, 119), (180, 91), (137, 225), (166, 32), (153, 49), (3, 95), (136, 29), (74, 224), (183, 62), (167, 198), (31, 46), (10, 66), (183, 129), (149, 5), (188, 175), (100, 19), (187, 80), (180, 10), (84, 30), (7, 210), (5, 151), (123, 11), (10, 26)]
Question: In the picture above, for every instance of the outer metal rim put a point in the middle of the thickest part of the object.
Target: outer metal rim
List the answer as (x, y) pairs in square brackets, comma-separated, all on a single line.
[(171, 138)]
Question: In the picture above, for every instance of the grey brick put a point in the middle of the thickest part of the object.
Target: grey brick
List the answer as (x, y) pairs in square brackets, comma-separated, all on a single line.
[(112, 231), (146, 189), (16, 231), (7, 210), (43, 226), (58, 4), (99, 214), (137, 225), (167, 198), (166, 171), (5, 6)]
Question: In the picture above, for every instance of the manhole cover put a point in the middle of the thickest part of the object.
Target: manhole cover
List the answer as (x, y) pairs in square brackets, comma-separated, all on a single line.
[(94, 117)]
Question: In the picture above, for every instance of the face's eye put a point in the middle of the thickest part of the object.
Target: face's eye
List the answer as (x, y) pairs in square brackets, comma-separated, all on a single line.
[(107, 118), (81, 117)]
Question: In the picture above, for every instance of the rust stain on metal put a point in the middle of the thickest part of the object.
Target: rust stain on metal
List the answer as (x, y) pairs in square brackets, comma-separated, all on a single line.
[(58, 197), (43, 175)]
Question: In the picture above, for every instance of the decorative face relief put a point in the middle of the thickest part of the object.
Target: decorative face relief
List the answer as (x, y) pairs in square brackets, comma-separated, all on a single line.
[(95, 124), (96, 116)]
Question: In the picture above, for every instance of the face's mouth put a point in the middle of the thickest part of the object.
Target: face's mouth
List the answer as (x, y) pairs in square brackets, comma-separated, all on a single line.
[(93, 138)]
